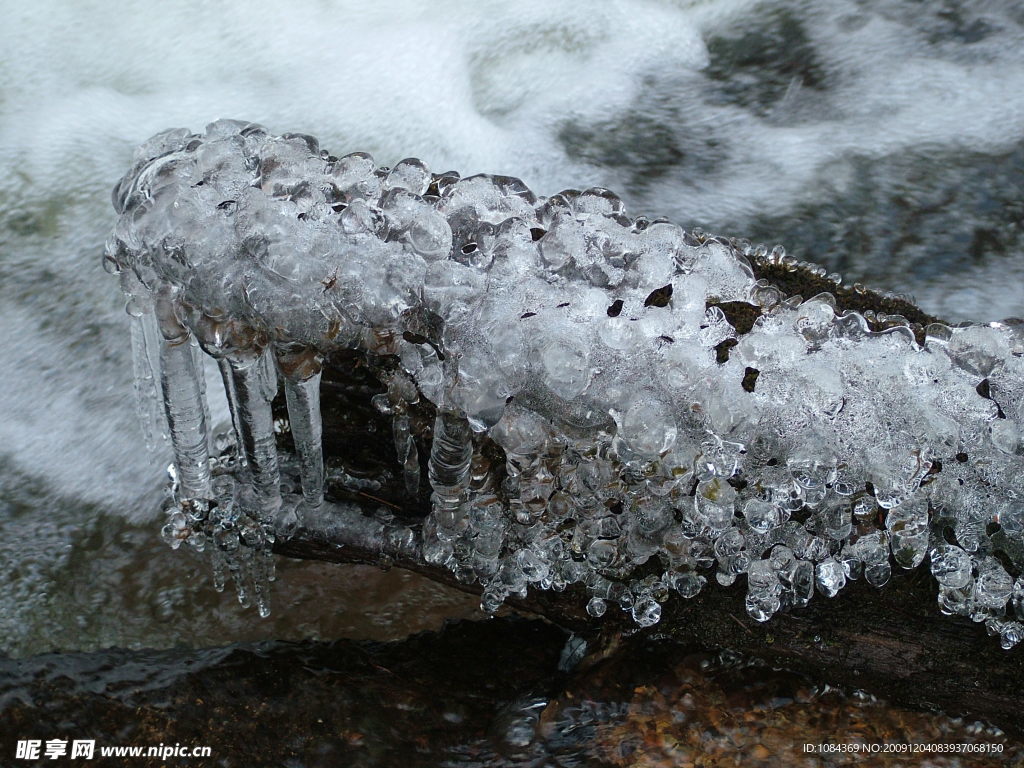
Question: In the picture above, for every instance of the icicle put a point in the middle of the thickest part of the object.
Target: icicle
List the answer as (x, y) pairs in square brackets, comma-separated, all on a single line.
[(451, 454), (268, 377), (241, 587), (269, 565), (219, 562), (146, 343), (301, 370), (147, 395), (405, 447), (229, 390), (401, 393), (198, 360), (261, 565), (183, 403), (246, 387)]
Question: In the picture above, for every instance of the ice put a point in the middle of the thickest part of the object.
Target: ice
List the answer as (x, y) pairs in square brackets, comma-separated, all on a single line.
[(798, 579), (232, 397), (147, 398), (184, 404), (248, 388), (563, 243), (401, 393), (648, 427), (1010, 634), (566, 365), (761, 515), (430, 235), (994, 585), (491, 199), (450, 455), (411, 174), (1006, 436), (978, 350), (830, 577), (763, 590), (908, 531), (646, 612), (301, 369), (593, 354), (596, 607)]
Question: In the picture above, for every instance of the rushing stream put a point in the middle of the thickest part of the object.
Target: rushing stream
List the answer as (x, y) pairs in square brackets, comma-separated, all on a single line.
[(884, 139)]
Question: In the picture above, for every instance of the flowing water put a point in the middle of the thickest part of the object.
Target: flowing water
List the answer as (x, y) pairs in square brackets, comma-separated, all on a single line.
[(884, 139)]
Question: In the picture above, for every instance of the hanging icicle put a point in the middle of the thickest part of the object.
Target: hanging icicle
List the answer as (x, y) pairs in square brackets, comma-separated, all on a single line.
[(184, 402), (301, 371), (405, 449), (148, 398), (451, 454), (247, 384)]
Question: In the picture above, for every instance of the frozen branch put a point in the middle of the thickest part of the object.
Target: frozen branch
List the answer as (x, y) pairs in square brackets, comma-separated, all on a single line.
[(554, 397)]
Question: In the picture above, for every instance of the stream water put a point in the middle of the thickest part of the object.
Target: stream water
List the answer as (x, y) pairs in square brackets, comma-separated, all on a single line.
[(883, 138)]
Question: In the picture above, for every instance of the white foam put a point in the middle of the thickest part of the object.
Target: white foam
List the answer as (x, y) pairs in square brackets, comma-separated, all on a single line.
[(478, 87)]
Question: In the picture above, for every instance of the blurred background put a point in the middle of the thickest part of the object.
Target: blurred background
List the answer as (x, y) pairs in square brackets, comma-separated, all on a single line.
[(882, 138)]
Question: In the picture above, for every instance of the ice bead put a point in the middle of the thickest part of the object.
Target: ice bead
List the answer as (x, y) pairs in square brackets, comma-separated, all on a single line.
[(978, 350), (411, 174), (490, 198), (829, 577), (353, 174), (430, 235), (951, 566), (646, 612), (563, 243), (908, 529), (596, 607), (566, 365), (761, 515), (648, 426)]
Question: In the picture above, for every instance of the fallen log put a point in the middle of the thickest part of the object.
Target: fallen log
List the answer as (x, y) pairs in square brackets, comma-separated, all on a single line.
[(575, 411)]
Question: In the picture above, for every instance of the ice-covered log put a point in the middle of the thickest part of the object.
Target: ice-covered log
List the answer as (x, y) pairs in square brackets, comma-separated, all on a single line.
[(599, 402)]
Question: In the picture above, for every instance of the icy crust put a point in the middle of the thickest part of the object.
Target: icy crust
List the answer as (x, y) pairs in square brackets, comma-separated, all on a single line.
[(589, 346)]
